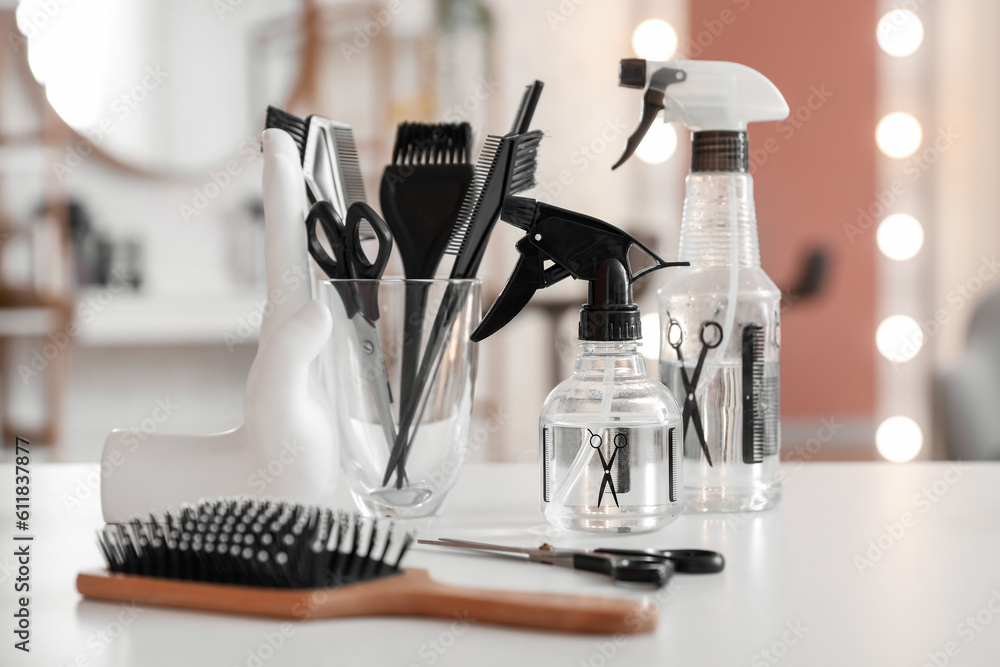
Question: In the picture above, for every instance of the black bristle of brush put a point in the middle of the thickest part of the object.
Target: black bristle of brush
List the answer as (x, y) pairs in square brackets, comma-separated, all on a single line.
[(290, 123), (425, 144), (253, 542), (507, 166)]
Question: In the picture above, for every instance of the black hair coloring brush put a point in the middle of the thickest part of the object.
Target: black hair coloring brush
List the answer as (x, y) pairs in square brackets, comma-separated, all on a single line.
[(423, 189), (284, 560), (421, 195)]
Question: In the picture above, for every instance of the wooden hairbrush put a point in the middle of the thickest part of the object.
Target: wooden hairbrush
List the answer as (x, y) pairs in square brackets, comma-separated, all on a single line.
[(283, 560)]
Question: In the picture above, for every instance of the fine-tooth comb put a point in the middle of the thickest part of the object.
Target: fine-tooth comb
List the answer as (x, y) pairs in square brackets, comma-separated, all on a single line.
[(329, 158), (284, 560), (760, 395), (506, 166)]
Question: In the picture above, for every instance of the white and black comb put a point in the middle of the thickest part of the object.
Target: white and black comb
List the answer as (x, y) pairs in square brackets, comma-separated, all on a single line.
[(329, 157)]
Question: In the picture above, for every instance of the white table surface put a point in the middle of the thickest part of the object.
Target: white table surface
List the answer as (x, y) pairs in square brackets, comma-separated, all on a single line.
[(790, 567)]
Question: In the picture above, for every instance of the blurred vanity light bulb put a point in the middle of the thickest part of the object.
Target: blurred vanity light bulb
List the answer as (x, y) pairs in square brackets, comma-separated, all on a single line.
[(899, 338), (900, 236), (899, 439), (654, 39), (898, 135), (900, 33), (658, 144)]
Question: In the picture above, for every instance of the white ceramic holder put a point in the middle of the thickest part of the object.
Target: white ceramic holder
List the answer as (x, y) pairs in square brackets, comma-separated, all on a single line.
[(288, 432)]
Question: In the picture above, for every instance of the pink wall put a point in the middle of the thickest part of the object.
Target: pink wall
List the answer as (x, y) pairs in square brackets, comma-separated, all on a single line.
[(813, 172)]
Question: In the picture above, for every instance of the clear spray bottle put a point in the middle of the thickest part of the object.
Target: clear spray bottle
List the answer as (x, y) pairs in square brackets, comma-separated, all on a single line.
[(609, 434), (719, 321)]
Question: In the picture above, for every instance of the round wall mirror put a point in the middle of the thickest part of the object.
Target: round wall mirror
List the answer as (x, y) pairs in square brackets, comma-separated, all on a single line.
[(171, 87)]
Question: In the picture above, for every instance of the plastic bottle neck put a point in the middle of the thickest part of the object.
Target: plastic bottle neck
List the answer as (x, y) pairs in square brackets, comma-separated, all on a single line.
[(707, 230), (623, 355)]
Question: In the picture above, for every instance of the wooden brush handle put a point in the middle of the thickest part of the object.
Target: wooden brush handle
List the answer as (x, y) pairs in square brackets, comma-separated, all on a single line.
[(416, 594), (412, 593)]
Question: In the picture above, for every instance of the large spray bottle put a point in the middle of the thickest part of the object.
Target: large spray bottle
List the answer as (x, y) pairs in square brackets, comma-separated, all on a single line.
[(719, 321)]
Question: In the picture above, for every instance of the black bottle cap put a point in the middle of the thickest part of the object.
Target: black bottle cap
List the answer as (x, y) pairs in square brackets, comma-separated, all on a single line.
[(720, 150), (632, 73), (610, 314)]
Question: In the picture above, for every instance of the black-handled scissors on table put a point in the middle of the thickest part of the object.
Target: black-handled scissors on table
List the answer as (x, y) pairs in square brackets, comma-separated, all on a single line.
[(619, 441), (642, 568), (687, 561), (691, 410), (349, 261)]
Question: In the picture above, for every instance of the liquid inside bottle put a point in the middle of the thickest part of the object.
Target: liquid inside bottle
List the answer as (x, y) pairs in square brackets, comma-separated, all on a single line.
[(737, 468), (623, 476), (719, 349), (610, 440)]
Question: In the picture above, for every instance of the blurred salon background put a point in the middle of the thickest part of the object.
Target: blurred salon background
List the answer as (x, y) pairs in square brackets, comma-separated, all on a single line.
[(131, 228)]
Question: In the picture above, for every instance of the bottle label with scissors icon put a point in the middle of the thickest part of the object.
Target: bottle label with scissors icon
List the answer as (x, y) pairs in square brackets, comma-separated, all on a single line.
[(618, 454), (611, 467), (730, 406)]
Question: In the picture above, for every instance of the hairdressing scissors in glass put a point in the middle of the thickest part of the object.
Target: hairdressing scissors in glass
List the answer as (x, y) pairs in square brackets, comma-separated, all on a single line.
[(691, 411), (349, 262)]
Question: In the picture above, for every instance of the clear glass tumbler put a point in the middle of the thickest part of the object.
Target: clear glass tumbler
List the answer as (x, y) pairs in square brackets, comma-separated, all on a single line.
[(400, 371)]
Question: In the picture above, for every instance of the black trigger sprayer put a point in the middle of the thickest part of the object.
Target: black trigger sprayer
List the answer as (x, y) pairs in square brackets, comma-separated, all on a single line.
[(578, 246), (610, 419)]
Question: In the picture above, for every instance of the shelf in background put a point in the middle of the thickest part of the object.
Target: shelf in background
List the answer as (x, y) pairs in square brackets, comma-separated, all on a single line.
[(128, 319)]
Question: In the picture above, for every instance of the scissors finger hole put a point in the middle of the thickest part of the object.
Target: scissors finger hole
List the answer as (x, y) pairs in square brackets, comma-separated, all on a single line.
[(367, 249), (711, 334), (674, 333), (595, 440)]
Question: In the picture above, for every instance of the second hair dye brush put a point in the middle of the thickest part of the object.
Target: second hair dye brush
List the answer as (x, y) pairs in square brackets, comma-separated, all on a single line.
[(506, 166)]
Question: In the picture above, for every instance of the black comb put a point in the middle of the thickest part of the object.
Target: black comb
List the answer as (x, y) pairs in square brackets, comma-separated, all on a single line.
[(290, 123), (507, 166), (760, 395), (525, 110), (673, 462)]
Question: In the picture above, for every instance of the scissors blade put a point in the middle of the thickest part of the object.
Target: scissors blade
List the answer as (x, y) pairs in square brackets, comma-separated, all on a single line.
[(371, 345), (600, 495), (696, 418), (697, 369), (532, 554), (611, 486)]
